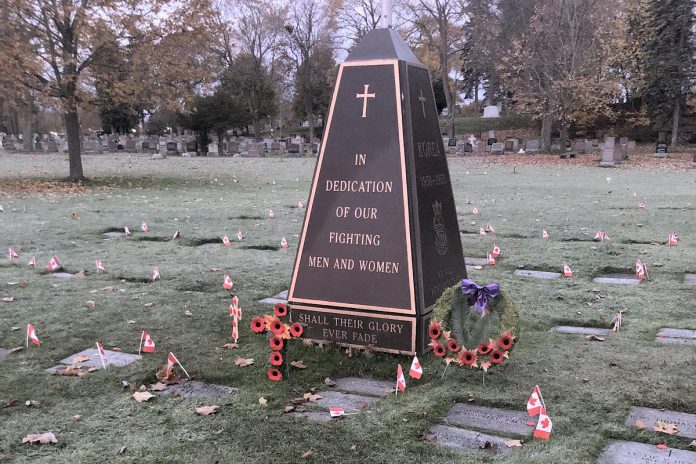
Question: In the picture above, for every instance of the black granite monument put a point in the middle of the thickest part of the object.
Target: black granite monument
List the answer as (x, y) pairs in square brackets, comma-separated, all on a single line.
[(380, 241)]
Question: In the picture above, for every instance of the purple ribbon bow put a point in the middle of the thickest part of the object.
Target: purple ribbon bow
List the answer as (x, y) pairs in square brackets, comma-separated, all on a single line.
[(479, 295)]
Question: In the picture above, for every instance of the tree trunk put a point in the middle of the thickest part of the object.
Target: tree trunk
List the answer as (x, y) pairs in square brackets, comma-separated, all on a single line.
[(546, 126), (220, 136), (72, 129), (257, 129), (675, 124)]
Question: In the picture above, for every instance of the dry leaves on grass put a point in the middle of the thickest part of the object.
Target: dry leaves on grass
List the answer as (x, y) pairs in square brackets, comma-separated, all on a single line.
[(26, 187), (8, 299), (40, 438), (207, 410), (594, 338), (80, 359), (159, 386), (263, 401), (230, 346), (639, 424), (308, 454), (666, 427), (311, 397), (167, 375), (512, 443), (329, 382), (298, 364), (243, 362), (141, 396), (71, 371), (90, 304)]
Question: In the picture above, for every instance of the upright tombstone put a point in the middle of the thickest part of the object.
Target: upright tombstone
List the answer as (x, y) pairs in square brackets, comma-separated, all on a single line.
[(609, 158), (380, 240)]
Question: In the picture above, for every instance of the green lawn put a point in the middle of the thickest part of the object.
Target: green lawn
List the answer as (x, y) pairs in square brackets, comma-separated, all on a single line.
[(588, 386)]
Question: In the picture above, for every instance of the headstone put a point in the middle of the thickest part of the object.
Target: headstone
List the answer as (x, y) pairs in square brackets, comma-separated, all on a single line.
[(510, 146), (569, 329), (254, 150), (52, 146), (533, 146), (213, 149), (490, 419), (609, 158), (233, 148), (294, 148), (628, 452), (113, 144), (686, 423), (491, 111), (171, 148), (452, 142), (130, 145), (497, 148), (145, 146), (275, 148), (537, 274), (661, 149), (467, 441), (191, 147), (365, 206)]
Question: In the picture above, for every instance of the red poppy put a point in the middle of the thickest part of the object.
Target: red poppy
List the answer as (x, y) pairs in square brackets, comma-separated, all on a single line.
[(274, 375), (296, 329), (276, 358), (280, 310), (453, 346), (506, 341), (276, 343), (497, 357), (435, 330), (439, 350), (277, 326), (484, 348), (468, 357), (258, 325)]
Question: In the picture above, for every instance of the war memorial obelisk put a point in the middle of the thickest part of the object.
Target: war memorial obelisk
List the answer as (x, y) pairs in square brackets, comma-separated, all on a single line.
[(380, 240)]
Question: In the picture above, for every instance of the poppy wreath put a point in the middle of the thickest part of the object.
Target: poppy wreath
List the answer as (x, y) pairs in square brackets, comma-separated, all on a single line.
[(474, 326), (278, 332)]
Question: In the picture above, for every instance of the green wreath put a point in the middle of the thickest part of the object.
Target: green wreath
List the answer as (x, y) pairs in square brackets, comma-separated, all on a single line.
[(473, 339)]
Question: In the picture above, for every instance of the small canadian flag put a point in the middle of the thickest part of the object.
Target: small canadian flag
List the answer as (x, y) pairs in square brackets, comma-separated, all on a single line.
[(31, 336), (673, 239), (475, 211), (491, 259), (534, 403), (147, 345), (176, 235), (240, 235), (416, 370), (227, 282), (496, 251), (400, 380), (126, 230), (641, 270), (100, 266), (171, 361), (155, 273), (235, 329), (599, 235), (144, 227), (102, 355), (544, 234), (300, 204), (270, 213), (544, 426), (567, 271), (53, 264), (32, 262), (337, 412), (489, 228), (482, 231), (283, 243), (13, 254), (226, 240)]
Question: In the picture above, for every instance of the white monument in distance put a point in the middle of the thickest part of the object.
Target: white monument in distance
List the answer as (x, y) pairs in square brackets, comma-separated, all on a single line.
[(491, 111)]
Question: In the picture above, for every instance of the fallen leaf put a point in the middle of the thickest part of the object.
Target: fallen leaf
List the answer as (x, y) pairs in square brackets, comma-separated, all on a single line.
[(8, 299), (311, 397), (308, 454), (8, 403), (71, 371), (329, 382), (230, 346), (298, 364), (428, 436), (42, 438), (90, 304), (142, 396), (77, 417), (74, 216), (80, 275), (80, 359), (639, 424), (159, 386), (16, 349), (107, 289), (32, 403), (207, 410), (243, 362), (661, 446), (188, 313), (666, 427), (263, 401), (692, 444), (149, 305), (594, 338), (23, 284), (121, 450), (512, 443), (288, 408), (131, 321)]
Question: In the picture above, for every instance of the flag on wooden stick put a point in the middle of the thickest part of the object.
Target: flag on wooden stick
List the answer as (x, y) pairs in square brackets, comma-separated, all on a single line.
[(147, 345), (171, 361), (54, 264), (155, 273), (31, 336), (416, 370), (226, 240), (544, 426), (534, 403), (102, 355), (100, 266), (400, 380)]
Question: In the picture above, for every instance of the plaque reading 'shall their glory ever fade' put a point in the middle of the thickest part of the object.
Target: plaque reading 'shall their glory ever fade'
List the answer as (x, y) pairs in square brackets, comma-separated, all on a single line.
[(380, 241)]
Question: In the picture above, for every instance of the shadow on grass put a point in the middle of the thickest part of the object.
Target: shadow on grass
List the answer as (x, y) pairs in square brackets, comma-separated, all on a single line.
[(243, 216), (594, 323), (135, 280), (643, 242), (612, 270), (200, 287), (261, 247)]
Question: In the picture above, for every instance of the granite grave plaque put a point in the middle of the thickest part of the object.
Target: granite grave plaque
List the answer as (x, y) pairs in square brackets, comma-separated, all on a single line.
[(628, 452), (649, 417), (380, 241)]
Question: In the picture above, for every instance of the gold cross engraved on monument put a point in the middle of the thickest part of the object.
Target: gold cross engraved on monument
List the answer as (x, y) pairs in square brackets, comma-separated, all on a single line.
[(422, 100), (365, 96)]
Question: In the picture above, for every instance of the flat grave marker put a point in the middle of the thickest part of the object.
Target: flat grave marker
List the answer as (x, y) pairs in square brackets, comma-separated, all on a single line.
[(110, 235), (690, 279), (491, 419), (544, 275), (628, 452), (569, 329), (4, 352), (617, 279), (115, 358), (196, 389), (63, 275), (281, 297), (348, 401), (362, 393), (649, 417), (669, 336), (366, 386), (476, 261), (467, 441)]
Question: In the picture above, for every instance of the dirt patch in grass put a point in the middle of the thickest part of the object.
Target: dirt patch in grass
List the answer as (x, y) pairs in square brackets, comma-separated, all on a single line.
[(135, 280), (199, 287), (261, 247), (642, 242), (576, 239), (146, 238), (196, 242), (613, 270), (24, 187), (243, 216), (598, 323)]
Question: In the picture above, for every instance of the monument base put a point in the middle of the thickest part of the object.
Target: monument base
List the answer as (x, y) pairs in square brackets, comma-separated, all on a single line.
[(389, 333)]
